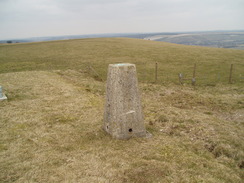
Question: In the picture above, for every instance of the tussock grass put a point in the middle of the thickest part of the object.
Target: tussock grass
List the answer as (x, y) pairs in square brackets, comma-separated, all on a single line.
[(51, 124), (51, 131)]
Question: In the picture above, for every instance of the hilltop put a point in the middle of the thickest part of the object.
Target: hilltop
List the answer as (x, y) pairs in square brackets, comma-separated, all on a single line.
[(173, 59), (51, 124)]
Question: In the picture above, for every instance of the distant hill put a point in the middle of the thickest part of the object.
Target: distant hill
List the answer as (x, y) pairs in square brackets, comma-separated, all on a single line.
[(233, 40), (68, 37), (218, 39)]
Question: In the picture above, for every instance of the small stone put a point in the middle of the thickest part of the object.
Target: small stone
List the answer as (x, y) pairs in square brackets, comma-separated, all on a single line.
[(2, 96)]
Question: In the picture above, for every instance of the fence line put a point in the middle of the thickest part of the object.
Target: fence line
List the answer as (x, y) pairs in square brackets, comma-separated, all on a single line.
[(182, 78), (195, 74)]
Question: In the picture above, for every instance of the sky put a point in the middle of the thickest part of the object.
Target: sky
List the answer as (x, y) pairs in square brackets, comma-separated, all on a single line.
[(40, 18)]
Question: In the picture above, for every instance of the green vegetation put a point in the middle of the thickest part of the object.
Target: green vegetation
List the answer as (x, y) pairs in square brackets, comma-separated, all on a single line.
[(51, 124)]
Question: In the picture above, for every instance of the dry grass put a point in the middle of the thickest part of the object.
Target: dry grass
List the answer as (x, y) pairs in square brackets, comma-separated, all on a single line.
[(50, 131)]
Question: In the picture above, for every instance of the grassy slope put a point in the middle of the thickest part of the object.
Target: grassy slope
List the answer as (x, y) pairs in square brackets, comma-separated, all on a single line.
[(212, 63), (49, 133)]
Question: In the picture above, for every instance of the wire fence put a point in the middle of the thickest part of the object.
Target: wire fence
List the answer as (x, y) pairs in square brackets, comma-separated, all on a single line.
[(195, 74), (199, 74)]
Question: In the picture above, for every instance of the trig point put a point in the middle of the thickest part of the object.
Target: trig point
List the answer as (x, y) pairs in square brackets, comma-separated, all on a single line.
[(2, 96), (123, 116)]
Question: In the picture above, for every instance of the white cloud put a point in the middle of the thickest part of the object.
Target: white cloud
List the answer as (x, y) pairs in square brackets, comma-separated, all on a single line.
[(26, 18)]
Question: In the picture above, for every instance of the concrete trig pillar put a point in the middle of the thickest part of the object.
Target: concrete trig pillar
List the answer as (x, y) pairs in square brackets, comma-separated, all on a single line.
[(2, 96), (123, 116)]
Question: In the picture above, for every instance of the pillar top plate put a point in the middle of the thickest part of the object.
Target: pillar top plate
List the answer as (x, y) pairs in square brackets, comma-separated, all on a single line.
[(121, 65)]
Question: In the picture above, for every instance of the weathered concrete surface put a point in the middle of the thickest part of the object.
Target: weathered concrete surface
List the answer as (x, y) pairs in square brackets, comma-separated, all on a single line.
[(2, 96), (123, 116)]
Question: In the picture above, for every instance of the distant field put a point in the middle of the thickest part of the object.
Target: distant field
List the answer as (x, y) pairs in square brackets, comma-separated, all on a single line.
[(51, 124), (234, 40)]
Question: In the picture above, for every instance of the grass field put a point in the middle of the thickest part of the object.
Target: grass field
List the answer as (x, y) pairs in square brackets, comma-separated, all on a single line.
[(213, 64), (51, 124)]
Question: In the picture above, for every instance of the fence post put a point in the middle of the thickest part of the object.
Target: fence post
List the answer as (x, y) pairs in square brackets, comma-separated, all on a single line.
[(181, 78), (194, 75), (231, 71), (156, 72)]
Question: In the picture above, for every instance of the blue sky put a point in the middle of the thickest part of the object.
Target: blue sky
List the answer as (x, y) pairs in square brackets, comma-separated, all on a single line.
[(35, 18)]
